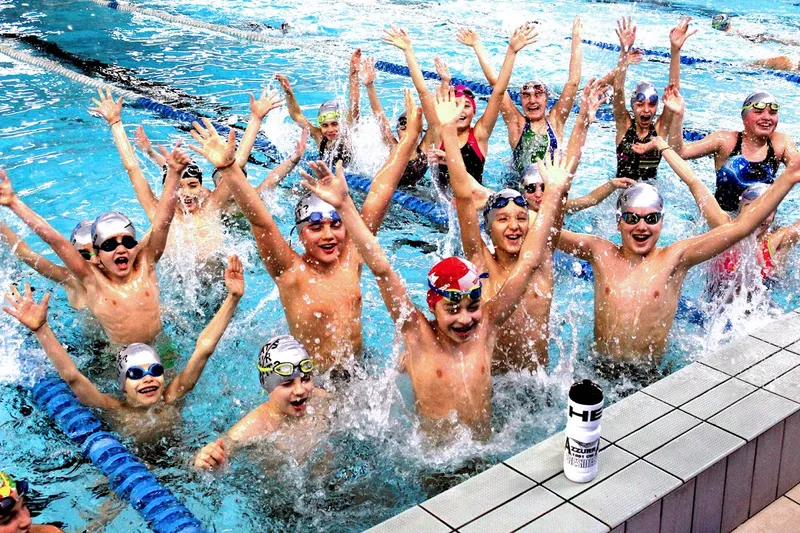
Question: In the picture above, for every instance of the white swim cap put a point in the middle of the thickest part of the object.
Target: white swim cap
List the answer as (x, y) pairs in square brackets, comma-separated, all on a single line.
[(110, 224), (639, 195), (499, 200), (328, 111), (82, 234), (136, 354), (281, 359), (531, 175), (309, 204), (644, 90)]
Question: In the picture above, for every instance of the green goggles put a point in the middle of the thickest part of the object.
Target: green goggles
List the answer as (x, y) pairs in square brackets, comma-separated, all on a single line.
[(287, 369), (325, 117), (761, 106)]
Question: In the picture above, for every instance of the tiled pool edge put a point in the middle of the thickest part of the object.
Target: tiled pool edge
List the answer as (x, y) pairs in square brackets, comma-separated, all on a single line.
[(705, 449)]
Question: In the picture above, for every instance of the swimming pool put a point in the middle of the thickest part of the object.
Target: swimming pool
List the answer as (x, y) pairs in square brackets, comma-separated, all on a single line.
[(375, 463)]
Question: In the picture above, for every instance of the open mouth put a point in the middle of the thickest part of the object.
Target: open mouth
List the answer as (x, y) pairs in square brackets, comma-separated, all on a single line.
[(640, 238), (514, 238), (764, 124), (645, 118), (328, 248), (121, 261), (299, 404), (532, 107), (148, 391), (463, 331)]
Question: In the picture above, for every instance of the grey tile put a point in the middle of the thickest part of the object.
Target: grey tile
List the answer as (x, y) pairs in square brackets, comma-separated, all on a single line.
[(613, 501), (477, 495), (565, 519), (676, 509), (790, 460), (753, 415), (788, 385), (708, 498), (521, 510), (781, 332), (770, 368), (631, 413), (414, 520), (739, 355), (619, 529), (718, 398), (541, 461), (685, 384), (647, 521), (738, 485), (694, 451), (610, 461), (653, 435), (767, 466), (604, 443), (795, 347)]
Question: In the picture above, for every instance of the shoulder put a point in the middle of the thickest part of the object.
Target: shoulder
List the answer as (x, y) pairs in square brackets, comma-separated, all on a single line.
[(45, 529)]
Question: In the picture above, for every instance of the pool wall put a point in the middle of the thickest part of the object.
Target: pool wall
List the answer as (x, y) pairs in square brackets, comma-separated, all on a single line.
[(701, 450)]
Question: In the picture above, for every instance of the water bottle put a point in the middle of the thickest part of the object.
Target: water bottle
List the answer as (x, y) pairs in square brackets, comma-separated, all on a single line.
[(583, 431)]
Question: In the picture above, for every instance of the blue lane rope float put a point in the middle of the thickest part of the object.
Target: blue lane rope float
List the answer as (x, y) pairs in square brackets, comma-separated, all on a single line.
[(128, 477)]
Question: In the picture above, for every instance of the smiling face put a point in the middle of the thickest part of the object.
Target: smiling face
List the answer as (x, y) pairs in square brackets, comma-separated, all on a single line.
[(760, 122), (323, 242), (144, 392), (640, 238), (534, 198), (644, 113), (118, 262), (458, 321), (291, 397), (509, 227), (192, 194), (465, 119), (18, 520), (534, 103), (330, 129)]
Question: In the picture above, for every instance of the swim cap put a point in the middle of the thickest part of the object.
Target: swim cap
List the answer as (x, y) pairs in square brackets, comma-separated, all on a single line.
[(753, 192), (466, 92), (499, 200), (760, 96), (283, 350), (639, 195), (191, 171), (10, 488), (110, 224), (531, 84), (402, 120), (452, 273), (310, 203), (721, 22), (644, 90), (82, 234), (215, 176), (531, 175), (136, 354), (328, 111)]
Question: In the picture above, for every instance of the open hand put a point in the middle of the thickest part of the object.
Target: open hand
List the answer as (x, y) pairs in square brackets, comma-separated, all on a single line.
[(7, 194), (523, 36), (468, 36), (265, 103), (622, 183), (442, 69), (22, 307), (300, 149), (234, 277), (212, 456), (413, 115), (681, 32), (284, 81), (673, 99), (327, 186), (448, 107), (355, 61), (142, 140), (635, 55), (555, 174), (594, 95), (577, 29), (626, 32), (107, 107), (643, 148), (217, 150), (438, 157), (397, 37), (368, 71), (178, 160)]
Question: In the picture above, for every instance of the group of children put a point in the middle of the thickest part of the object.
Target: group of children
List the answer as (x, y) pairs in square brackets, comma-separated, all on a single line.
[(490, 309)]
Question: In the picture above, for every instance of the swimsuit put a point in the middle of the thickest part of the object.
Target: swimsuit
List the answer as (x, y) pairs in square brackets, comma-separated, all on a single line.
[(474, 160), (337, 151), (532, 146), (632, 165), (724, 267), (737, 173), (415, 171)]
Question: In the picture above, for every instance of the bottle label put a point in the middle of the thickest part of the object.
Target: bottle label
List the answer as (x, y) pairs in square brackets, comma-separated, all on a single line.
[(581, 454)]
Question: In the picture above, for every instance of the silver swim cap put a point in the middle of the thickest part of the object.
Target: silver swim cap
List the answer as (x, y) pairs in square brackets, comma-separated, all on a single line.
[(531, 175), (639, 195), (721, 22), (757, 97), (215, 176), (136, 354), (309, 204), (328, 111), (110, 224), (82, 234), (499, 200), (191, 171), (752, 193), (644, 90), (281, 359)]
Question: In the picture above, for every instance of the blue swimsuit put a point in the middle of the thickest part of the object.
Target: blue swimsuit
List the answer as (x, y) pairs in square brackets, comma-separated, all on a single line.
[(738, 173)]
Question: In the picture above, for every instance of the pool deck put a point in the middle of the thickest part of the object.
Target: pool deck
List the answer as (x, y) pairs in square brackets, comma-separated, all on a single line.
[(704, 449)]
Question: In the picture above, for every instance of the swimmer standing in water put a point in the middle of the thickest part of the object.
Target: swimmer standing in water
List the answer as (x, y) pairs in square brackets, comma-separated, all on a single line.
[(295, 413), (147, 409), (14, 514)]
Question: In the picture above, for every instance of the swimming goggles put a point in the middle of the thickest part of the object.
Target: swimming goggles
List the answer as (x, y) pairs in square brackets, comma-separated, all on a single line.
[(532, 187), (751, 195), (402, 122), (651, 219), (465, 92), (503, 201), (287, 369), (325, 117), (641, 97), (86, 254), (8, 503), (136, 373), (112, 244), (761, 106), (537, 89), (317, 217), (455, 296)]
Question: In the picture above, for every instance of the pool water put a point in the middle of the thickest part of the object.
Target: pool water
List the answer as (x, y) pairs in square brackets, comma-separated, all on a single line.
[(374, 463)]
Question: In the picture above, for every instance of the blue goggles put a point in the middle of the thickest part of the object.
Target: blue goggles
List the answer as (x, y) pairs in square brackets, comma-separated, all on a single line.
[(455, 296), (316, 218), (136, 373), (502, 202), (641, 97)]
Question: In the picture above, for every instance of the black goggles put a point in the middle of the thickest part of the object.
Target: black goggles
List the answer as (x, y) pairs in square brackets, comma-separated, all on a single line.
[(465, 92), (136, 373), (112, 244), (402, 122), (86, 254), (503, 201), (8, 503), (651, 219), (533, 187)]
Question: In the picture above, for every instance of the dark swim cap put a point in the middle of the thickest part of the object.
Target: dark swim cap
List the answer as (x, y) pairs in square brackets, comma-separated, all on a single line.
[(191, 171)]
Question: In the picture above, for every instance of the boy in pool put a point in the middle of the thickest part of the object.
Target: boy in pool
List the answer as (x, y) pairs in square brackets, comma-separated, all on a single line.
[(295, 411), (14, 514), (449, 358), (320, 290), (121, 286), (636, 284), (148, 403), (81, 239), (723, 23)]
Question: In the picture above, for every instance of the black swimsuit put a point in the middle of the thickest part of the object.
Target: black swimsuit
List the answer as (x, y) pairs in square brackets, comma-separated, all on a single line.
[(738, 173), (474, 161), (632, 165), (415, 171), (337, 151)]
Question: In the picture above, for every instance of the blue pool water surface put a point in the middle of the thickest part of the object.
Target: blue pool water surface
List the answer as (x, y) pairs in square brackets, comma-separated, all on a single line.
[(374, 463)]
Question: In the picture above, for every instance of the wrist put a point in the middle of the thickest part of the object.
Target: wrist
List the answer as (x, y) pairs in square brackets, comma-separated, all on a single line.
[(228, 165), (661, 150), (115, 122), (43, 327)]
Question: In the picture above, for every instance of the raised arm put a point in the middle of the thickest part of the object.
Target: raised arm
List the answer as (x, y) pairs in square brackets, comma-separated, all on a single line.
[(598, 194), (210, 336), (368, 78), (143, 142), (23, 252), (277, 254), (294, 109), (162, 220), (594, 95), (385, 182), (34, 317), (276, 175), (539, 242), (258, 110), (677, 38), (60, 245), (626, 32), (520, 38), (560, 111), (333, 189), (354, 111), (112, 111)]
